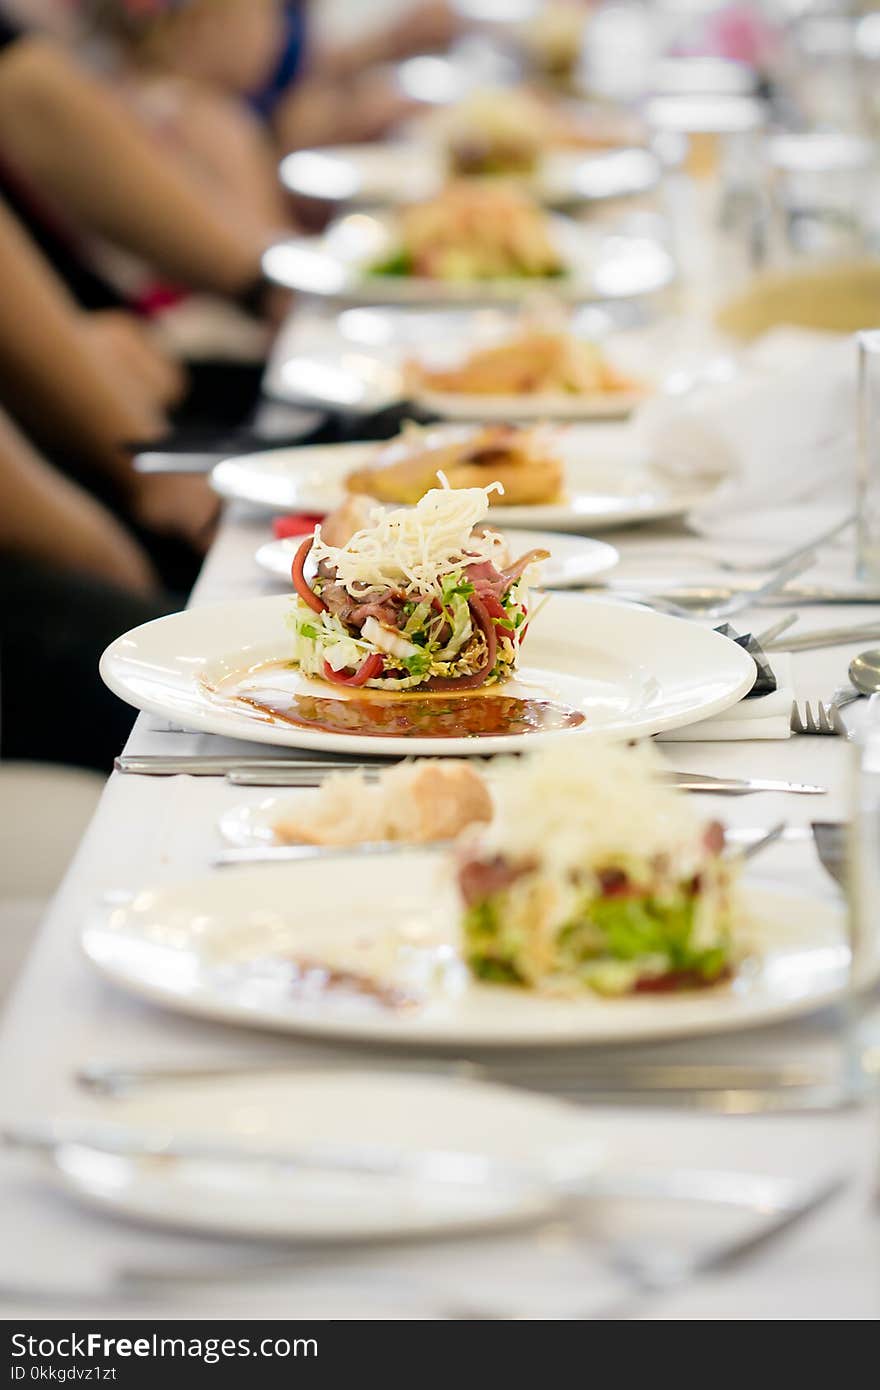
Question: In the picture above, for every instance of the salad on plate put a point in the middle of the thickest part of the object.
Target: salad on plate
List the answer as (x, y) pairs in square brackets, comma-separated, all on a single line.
[(593, 876), (474, 230), (421, 599)]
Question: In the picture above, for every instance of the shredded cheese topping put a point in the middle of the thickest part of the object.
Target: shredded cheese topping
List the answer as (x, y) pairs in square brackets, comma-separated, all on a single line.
[(578, 805), (414, 548)]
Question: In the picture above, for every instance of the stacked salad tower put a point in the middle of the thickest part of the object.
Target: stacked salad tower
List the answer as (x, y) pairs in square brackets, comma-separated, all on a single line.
[(594, 875), (420, 600)]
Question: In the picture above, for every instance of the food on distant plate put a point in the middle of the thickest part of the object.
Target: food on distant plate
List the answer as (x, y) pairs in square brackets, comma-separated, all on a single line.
[(506, 131), (554, 36), (413, 602), (534, 363), (474, 231), (498, 131), (416, 803), (524, 461), (595, 876)]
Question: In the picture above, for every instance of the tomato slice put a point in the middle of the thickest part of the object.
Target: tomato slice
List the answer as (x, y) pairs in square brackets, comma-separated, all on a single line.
[(283, 527), (299, 580), (370, 667)]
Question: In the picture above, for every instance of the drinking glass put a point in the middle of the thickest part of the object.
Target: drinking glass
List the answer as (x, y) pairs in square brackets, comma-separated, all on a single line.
[(862, 1021), (868, 484)]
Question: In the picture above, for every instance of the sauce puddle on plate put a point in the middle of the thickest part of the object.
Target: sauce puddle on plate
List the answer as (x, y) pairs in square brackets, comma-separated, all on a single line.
[(271, 692)]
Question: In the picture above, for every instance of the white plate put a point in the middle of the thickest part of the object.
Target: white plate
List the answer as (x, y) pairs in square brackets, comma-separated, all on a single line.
[(355, 362), (266, 1112), (556, 405), (600, 495), (363, 383), (630, 671), (221, 946), (598, 265), (405, 172), (574, 560), (250, 825)]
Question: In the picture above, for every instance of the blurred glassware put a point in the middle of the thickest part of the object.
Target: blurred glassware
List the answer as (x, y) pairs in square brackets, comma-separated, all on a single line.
[(702, 129), (868, 494), (826, 72), (620, 51), (823, 191), (475, 61), (703, 75), (862, 1023), (715, 189)]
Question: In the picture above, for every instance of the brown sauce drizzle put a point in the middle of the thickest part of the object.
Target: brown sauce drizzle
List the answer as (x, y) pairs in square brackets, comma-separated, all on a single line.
[(416, 716)]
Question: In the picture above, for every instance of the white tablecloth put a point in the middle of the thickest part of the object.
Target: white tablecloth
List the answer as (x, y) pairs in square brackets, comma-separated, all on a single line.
[(155, 830)]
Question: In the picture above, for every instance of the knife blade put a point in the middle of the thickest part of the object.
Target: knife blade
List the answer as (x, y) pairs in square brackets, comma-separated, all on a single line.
[(220, 765), (306, 772)]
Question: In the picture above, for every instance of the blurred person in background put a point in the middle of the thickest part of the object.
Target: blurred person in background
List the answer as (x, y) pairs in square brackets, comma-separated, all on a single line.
[(328, 92), (87, 180), (85, 384), (79, 157), (199, 71), (71, 579), (185, 67)]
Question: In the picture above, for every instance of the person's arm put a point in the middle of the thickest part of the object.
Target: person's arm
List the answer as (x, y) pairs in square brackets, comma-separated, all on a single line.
[(229, 150), (77, 143), (89, 389), (422, 27), (64, 388), (45, 517)]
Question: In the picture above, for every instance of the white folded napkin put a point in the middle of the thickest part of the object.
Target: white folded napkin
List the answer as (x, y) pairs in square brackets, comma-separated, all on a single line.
[(767, 437), (766, 716)]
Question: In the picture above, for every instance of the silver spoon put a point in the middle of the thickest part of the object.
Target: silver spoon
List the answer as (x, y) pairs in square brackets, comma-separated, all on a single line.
[(864, 672)]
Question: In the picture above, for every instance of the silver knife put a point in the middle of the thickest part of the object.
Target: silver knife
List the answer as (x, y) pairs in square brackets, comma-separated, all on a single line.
[(442, 1165), (220, 765), (289, 854), (824, 637), (792, 592), (302, 772), (702, 782), (312, 775)]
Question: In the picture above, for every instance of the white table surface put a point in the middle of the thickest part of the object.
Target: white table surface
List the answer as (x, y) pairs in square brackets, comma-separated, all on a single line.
[(150, 830)]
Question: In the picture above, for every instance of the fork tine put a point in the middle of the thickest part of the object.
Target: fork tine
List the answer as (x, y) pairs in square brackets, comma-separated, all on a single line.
[(823, 721)]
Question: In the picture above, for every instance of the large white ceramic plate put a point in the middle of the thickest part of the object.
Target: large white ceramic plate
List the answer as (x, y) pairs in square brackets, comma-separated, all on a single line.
[(542, 1142), (363, 382), (226, 947), (597, 265), (631, 672), (574, 560), (408, 171), (355, 361), (600, 494)]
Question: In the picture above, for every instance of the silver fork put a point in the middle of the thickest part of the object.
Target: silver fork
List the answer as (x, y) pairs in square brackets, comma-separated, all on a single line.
[(806, 722), (827, 718), (716, 602), (772, 562)]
